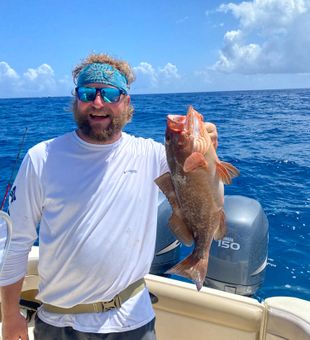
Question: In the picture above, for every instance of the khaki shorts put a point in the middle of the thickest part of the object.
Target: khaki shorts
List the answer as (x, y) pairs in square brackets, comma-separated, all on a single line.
[(44, 331)]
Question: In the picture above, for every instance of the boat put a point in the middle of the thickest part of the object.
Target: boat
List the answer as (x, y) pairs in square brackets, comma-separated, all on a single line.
[(183, 313), (221, 312)]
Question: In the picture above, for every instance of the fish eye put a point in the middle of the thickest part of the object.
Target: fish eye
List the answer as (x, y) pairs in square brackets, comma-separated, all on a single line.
[(168, 139)]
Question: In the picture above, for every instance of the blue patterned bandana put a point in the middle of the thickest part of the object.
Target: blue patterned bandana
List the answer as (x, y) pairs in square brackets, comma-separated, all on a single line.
[(102, 74)]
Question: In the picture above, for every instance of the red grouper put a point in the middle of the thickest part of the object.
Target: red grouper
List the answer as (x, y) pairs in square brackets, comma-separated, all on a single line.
[(195, 190)]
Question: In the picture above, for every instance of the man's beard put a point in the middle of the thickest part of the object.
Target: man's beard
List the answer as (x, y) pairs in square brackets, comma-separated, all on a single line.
[(106, 134)]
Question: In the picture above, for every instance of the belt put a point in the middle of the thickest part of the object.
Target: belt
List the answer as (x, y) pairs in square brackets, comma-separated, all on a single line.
[(99, 307)]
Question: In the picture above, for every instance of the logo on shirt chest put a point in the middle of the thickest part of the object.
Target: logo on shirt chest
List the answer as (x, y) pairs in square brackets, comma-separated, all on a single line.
[(130, 171)]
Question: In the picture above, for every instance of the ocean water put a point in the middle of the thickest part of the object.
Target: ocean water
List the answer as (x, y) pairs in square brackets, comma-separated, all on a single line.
[(265, 134)]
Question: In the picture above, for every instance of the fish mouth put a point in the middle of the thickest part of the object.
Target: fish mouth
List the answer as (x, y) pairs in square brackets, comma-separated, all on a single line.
[(176, 123)]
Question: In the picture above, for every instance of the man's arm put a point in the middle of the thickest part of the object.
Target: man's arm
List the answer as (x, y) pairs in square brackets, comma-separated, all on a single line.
[(14, 325)]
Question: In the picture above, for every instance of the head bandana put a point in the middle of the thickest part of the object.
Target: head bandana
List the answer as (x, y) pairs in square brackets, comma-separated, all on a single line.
[(102, 74)]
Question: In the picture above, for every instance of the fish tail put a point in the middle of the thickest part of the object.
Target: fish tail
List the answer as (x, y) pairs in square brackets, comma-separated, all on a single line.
[(192, 268)]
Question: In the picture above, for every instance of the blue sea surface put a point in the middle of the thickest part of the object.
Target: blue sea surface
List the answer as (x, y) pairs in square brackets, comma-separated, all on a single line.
[(265, 134)]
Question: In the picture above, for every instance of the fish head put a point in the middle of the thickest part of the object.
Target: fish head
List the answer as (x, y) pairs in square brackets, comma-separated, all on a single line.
[(187, 134), (179, 143), (194, 123), (196, 129)]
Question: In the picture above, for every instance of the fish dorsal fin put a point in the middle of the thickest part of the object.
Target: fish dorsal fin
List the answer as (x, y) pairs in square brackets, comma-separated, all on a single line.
[(226, 171), (194, 161)]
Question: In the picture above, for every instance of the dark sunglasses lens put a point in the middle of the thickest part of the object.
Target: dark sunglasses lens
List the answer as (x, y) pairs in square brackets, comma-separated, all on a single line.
[(86, 94), (110, 95)]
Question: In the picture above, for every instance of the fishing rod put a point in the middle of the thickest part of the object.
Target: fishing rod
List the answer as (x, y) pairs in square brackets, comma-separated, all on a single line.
[(9, 185)]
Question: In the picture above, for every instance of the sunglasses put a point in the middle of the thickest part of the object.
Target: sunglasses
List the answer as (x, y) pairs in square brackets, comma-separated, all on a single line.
[(108, 94)]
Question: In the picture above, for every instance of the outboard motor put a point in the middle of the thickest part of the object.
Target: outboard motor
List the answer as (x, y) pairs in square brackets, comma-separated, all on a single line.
[(167, 249), (237, 262)]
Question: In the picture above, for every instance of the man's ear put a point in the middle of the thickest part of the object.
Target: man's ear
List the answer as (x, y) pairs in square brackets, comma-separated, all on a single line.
[(127, 98)]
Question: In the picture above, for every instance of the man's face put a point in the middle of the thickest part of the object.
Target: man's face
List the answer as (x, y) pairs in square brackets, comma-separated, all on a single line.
[(100, 122)]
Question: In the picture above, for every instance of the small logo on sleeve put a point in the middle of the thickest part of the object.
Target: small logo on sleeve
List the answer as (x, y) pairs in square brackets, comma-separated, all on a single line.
[(13, 194)]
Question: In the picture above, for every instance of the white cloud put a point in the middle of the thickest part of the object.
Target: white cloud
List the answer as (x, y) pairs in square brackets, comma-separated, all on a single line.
[(6, 72), (9, 80), (146, 74), (270, 14), (169, 71), (44, 71), (273, 36), (34, 82), (40, 79), (150, 79)]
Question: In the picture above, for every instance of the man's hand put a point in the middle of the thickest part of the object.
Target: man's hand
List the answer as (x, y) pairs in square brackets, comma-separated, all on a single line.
[(15, 328), (14, 325), (211, 128)]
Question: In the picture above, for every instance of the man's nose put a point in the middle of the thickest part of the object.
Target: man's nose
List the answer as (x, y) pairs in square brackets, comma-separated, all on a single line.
[(98, 101)]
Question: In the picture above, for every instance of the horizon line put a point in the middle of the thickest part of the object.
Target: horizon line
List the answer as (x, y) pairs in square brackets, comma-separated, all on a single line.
[(167, 93)]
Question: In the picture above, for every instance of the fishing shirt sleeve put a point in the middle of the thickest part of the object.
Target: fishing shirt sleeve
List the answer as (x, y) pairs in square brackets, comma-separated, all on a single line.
[(25, 211), (163, 160)]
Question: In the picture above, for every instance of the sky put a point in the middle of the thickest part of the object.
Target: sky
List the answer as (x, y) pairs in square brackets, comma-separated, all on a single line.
[(172, 45)]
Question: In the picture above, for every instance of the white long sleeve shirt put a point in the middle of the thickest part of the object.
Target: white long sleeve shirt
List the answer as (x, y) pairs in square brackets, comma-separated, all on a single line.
[(97, 209)]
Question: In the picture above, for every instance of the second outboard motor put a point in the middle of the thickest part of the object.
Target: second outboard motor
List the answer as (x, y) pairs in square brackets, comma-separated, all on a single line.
[(237, 262), (167, 249)]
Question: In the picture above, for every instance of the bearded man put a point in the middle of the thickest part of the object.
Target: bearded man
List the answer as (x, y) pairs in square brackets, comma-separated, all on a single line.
[(92, 191)]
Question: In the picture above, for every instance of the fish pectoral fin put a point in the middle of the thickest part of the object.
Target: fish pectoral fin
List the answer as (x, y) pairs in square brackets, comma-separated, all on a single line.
[(180, 229), (233, 171), (226, 171), (194, 161), (221, 230)]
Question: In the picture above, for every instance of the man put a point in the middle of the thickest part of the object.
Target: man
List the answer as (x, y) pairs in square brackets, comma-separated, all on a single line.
[(92, 191)]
